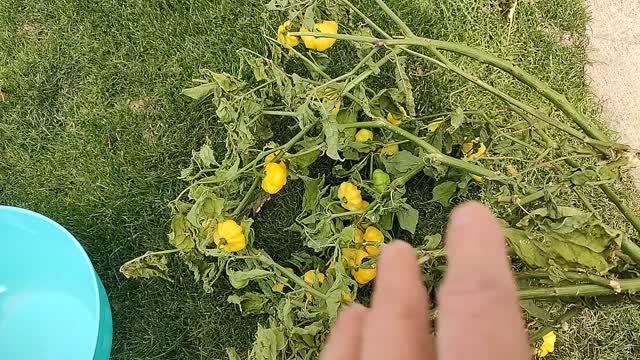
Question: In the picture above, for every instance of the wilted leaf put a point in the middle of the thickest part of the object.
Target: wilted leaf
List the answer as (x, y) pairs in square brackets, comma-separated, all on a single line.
[(232, 354), (179, 236), (432, 242), (404, 85), (250, 303), (147, 266), (200, 91), (240, 279), (268, 344), (203, 271), (331, 133)]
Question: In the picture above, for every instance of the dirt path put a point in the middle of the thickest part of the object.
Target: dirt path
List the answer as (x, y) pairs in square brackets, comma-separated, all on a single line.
[(615, 67)]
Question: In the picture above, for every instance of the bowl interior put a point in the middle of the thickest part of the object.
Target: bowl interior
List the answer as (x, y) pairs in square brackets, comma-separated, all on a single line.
[(49, 302)]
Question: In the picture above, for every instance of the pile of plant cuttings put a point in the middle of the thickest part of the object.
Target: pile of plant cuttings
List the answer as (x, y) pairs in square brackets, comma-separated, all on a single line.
[(377, 142)]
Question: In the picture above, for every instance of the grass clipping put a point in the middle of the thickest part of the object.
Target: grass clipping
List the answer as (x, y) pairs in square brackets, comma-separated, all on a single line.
[(378, 144)]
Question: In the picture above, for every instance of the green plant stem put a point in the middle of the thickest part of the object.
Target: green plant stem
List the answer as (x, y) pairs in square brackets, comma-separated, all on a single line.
[(352, 72), (425, 256), (626, 286), (572, 275), (365, 74), (431, 45), (291, 276), (279, 113), (405, 29), (366, 19), (434, 154), (246, 199), (548, 328), (531, 197), (404, 179)]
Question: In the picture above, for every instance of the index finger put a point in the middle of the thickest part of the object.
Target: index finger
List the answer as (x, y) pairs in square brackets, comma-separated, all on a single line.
[(398, 324), (479, 315)]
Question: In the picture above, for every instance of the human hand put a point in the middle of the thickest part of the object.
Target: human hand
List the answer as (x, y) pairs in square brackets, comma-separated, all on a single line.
[(478, 313)]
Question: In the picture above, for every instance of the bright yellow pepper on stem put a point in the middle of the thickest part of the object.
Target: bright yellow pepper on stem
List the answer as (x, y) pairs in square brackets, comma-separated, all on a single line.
[(320, 44), (275, 177), (350, 197), (285, 39), (229, 236), (363, 275)]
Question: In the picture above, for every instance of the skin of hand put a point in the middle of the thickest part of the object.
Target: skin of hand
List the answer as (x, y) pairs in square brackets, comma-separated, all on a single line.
[(478, 316)]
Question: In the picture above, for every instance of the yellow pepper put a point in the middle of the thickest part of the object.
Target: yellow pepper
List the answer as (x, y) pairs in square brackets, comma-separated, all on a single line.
[(275, 177), (390, 149), (285, 39), (363, 275), (279, 287), (350, 197), (346, 297), (364, 135), (229, 236), (476, 178), (359, 236), (433, 126), (349, 255), (473, 150), (548, 345), (373, 235), (393, 120), (311, 276), (320, 44)]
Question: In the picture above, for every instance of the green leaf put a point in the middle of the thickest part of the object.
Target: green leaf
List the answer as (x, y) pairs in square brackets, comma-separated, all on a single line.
[(432, 242), (347, 117), (386, 220), (535, 311), (200, 91), (179, 236), (443, 192), (404, 85), (457, 119), (203, 271), (311, 197), (240, 279), (408, 217), (331, 133), (526, 248), (400, 163), (226, 112), (250, 303), (309, 19), (147, 266), (268, 344)]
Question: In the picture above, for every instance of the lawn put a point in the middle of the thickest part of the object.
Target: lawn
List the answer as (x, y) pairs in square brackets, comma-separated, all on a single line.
[(93, 133)]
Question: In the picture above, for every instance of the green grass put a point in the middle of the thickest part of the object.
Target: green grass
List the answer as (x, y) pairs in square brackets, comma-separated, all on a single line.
[(93, 133)]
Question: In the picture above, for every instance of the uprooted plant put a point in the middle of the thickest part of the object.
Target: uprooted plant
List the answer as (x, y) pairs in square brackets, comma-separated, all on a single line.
[(379, 142)]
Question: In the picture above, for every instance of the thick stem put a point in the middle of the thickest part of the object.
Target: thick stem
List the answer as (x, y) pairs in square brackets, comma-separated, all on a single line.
[(572, 275), (626, 286), (405, 29), (246, 199), (434, 154)]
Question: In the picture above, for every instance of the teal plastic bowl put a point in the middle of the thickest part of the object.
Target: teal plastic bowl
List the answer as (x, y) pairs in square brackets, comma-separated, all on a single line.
[(53, 305)]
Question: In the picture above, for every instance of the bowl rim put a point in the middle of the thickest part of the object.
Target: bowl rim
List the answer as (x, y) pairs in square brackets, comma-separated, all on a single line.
[(83, 254)]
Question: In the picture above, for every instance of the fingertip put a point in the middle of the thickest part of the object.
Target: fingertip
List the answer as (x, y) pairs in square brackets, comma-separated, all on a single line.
[(396, 251)]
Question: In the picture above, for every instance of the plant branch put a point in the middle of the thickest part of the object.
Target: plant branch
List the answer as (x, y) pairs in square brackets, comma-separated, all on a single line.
[(293, 277), (432, 152), (546, 329), (626, 286)]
